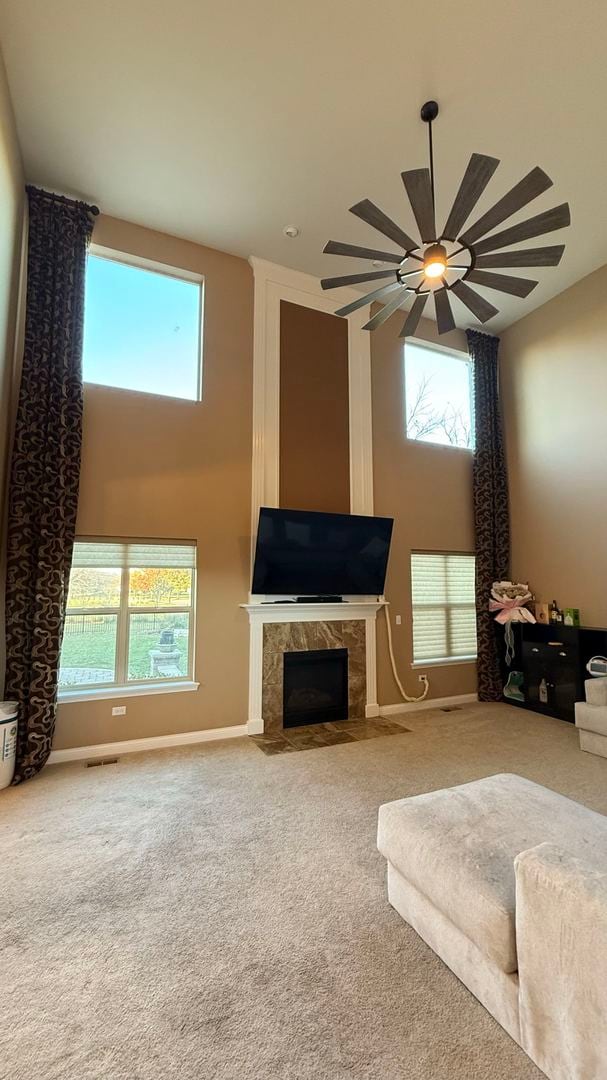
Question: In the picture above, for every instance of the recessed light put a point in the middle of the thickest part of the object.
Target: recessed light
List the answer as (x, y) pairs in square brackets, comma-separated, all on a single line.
[(291, 231)]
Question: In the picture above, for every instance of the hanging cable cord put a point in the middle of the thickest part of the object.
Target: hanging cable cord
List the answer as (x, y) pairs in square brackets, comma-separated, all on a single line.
[(404, 694)]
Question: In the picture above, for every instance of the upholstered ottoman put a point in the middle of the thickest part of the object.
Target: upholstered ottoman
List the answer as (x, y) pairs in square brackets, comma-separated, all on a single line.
[(507, 882), (591, 718)]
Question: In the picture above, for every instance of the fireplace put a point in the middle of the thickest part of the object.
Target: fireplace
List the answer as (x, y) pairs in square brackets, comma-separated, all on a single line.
[(315, 686)]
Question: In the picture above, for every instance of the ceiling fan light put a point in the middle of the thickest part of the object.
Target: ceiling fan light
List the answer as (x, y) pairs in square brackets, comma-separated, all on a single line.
[(435, 261)]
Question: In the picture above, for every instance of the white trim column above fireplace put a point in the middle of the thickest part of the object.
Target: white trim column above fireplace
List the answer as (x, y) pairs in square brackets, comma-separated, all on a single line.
[(260, 614), (274, 283)]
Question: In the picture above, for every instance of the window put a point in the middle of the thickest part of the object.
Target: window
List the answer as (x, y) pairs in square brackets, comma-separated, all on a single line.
[(444, 612), (142, 329), (130, 615), (438, 395)]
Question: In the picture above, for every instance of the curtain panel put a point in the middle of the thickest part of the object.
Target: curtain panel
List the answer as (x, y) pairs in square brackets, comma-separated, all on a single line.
[(490, 497), (45, 468)]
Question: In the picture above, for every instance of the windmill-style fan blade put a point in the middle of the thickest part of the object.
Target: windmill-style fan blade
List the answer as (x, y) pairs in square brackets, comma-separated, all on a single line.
[(354, 279), (415, 314), (551, 220), (476, 177), (522, 193), (515, 286), (544, 256), (444, 315), (369, 298), (369, 212), (474, 301), (335, 248), (385, 313), (419, 189)]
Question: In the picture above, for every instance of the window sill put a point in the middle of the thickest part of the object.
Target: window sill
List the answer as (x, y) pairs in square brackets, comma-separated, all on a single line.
[(91, 694), (448, 661)]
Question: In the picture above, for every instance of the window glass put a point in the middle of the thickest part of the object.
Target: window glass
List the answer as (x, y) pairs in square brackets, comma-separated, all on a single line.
[(130, 614), (438, 396), (142, 329)]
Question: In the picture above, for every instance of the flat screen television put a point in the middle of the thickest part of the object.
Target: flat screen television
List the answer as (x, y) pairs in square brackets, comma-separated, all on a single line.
[(307, 553)]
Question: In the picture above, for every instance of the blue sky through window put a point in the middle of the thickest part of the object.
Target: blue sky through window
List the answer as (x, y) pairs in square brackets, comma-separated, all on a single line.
[(438, 396), (141, 330)]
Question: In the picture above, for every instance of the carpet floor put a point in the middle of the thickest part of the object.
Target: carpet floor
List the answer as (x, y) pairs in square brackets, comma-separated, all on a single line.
[(211, 913)]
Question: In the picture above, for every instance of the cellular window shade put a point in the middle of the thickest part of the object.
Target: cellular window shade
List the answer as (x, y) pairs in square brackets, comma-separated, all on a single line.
[(106, 554), (444, 616)]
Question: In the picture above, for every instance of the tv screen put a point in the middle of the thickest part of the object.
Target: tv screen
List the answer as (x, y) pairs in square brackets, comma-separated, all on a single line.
[(306, 553)]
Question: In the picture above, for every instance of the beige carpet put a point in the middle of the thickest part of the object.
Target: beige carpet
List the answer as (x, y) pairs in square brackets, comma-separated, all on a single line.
[(213, 913)]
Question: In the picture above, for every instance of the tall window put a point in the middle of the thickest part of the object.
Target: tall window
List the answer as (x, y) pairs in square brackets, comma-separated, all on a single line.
[(129, 614), (438, 395), (444, 613), (142, 328)]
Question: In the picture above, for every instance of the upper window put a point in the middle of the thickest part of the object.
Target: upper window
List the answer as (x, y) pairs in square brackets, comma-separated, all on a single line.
[(142, 329), (130, 614), (444, 610), (438, 395)]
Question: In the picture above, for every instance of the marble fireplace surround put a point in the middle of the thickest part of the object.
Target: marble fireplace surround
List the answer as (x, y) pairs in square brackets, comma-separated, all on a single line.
[(279, 628)]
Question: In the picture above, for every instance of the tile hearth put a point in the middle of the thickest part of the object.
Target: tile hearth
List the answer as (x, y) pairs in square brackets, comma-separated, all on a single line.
[(315, 736)]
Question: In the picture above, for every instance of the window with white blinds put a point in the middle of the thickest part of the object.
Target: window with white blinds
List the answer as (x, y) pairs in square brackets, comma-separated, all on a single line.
[(444, 612), (130, 614)]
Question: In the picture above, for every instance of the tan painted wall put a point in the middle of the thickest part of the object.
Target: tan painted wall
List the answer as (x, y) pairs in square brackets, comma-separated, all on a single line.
[(314, 420), (160, 467), (554, 381), (12, 197), (428, 491)]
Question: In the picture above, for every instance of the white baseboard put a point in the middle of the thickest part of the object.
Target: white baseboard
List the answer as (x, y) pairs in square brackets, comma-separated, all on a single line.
[(255, 727), (154, 742), (372, 710), (427, 703)]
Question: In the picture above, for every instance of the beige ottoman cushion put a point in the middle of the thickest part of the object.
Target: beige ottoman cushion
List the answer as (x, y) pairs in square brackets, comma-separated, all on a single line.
[(591, 717), (458, 846)]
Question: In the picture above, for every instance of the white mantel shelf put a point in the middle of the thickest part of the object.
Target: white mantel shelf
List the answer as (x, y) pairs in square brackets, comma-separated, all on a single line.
[(285, 612), (260, 614)]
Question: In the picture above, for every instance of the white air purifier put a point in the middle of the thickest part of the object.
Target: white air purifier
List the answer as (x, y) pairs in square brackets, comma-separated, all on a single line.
[(8, 741)]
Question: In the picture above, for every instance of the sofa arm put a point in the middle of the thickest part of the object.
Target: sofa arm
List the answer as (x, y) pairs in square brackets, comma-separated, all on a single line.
[(561, 937)]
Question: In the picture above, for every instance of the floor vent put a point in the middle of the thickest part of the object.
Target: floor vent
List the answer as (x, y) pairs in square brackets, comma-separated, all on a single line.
[(101, 761), (451, 708)]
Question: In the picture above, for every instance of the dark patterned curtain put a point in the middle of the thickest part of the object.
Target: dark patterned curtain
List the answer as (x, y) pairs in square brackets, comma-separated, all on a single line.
[(491, 517), (45, 468)]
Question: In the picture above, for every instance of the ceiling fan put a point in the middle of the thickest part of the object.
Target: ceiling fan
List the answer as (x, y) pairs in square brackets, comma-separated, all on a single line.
[(448, 261)]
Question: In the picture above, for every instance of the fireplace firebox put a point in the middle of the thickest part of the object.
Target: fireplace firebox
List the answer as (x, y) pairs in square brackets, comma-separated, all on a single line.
[(315, 688)]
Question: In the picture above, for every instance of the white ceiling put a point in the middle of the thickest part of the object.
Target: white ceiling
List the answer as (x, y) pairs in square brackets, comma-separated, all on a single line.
[(222, 122)]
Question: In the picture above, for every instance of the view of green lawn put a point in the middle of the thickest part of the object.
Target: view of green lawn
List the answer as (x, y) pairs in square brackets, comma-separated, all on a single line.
[(95, 648)]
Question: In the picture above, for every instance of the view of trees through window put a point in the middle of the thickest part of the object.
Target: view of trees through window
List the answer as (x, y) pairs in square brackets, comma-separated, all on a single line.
[(126, 625), (438, 395)]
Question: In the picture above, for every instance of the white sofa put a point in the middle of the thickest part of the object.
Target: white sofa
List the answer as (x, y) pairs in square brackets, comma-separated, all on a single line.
[(507, 882), (591, 718)]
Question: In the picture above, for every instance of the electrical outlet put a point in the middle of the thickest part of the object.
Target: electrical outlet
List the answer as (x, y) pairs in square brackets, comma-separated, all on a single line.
[(119, 710), (398, 620), (422, 678)]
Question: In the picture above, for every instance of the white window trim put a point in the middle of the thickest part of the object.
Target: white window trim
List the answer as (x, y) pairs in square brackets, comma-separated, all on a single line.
[(463, 357), (123, 613), (64, 697), (446, 661), (191, 276)]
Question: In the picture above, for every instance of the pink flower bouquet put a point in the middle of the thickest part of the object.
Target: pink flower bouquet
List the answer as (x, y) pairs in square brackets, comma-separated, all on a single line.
[(508, 600)]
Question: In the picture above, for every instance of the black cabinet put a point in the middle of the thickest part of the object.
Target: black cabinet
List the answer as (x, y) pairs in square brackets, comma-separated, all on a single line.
[(552, 662)]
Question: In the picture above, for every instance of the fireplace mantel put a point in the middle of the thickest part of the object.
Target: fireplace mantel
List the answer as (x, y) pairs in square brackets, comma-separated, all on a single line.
[(287, 612), (261, 614)]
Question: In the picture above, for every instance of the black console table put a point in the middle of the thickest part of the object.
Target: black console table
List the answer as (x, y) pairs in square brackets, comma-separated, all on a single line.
[(557, 654)]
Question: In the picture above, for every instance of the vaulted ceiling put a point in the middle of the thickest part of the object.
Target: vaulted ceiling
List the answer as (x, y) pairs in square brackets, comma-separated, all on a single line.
[(223, 122)]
